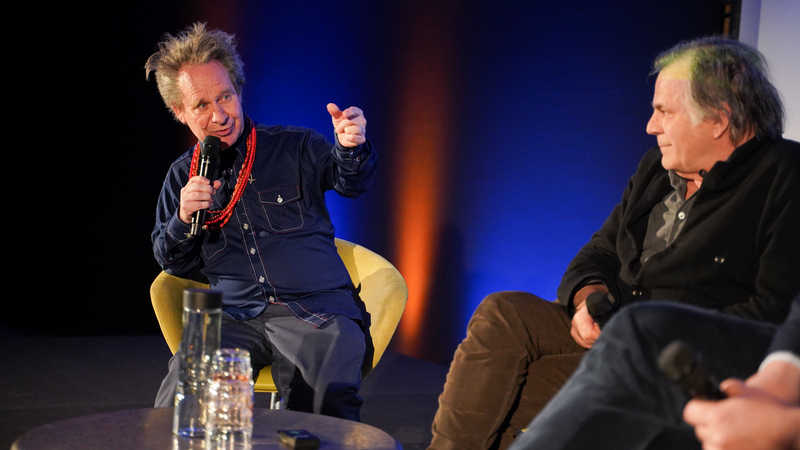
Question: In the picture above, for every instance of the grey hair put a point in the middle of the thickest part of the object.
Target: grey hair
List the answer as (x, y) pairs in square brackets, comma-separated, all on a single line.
[(724, 72), (194, 46)]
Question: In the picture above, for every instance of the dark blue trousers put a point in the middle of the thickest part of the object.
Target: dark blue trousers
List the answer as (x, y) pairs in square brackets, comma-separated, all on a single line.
[(619, 399)]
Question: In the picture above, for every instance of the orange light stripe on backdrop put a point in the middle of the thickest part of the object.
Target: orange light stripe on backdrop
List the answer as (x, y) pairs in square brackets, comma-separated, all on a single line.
[(420, 169)]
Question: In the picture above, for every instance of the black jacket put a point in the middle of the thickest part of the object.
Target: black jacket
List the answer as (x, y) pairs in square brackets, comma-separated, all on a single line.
[(738, 251)]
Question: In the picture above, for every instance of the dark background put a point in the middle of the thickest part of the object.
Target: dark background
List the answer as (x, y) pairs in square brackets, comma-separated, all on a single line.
[(506, 132)]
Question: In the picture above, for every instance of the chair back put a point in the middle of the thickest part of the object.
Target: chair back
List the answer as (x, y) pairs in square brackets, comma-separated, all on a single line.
[(166, 293), (381, 288)]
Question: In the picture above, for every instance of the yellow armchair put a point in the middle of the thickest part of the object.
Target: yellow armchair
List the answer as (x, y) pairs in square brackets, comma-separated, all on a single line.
[(380, 287)]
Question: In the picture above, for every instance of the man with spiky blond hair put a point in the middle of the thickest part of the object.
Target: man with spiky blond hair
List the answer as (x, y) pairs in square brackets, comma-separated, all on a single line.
[(268, 242)]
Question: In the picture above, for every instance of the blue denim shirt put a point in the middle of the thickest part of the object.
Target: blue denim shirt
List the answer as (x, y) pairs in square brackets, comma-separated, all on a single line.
[(278, 245)]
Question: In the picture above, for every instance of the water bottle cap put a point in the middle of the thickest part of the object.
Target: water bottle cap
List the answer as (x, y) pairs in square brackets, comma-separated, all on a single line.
[(202, 299)]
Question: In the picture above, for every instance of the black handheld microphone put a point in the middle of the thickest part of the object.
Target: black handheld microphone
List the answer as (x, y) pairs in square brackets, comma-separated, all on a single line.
[(209, 153), (679, 364), (600, 307)]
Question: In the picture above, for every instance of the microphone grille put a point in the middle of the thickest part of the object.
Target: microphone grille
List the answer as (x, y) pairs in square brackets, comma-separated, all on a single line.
[(676, 360), (211, 146)]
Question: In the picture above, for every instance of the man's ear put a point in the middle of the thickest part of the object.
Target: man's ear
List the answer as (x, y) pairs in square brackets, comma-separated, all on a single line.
[(179, 113), (722, 123)]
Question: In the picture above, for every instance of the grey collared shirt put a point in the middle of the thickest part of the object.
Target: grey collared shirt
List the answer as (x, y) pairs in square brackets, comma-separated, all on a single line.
[(667, 218)]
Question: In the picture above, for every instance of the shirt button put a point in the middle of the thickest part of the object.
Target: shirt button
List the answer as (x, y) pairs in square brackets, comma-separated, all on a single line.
[(261, 279), (252, 251), (246, 226), (681, 215), (271, 298)]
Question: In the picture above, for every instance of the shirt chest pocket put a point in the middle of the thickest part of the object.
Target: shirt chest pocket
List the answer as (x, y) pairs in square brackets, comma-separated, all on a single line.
[(282, 208)]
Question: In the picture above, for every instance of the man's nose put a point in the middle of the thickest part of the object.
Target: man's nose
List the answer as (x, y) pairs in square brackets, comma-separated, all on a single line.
[(653, 125), (219, 116)]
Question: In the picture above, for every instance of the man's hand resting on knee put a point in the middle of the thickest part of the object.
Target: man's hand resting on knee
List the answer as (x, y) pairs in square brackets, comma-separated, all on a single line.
[(584, 329)]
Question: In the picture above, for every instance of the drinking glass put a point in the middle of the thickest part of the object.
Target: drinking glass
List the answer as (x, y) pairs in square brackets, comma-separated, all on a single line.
[(229, 401)]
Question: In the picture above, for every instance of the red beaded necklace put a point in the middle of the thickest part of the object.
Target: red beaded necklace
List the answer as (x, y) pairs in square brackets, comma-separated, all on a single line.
[(220, 217)]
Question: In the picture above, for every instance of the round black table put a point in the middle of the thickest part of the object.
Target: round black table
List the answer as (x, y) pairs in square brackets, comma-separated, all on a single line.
[(146, 429)]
